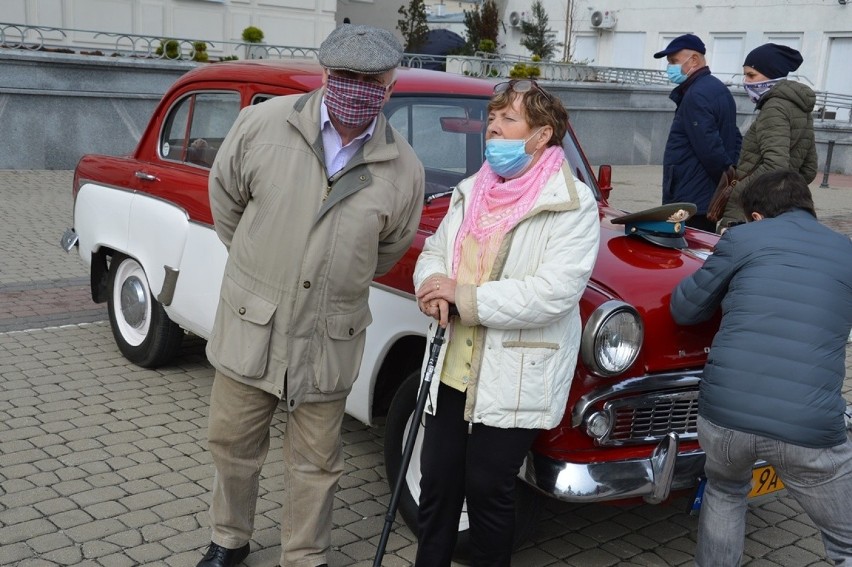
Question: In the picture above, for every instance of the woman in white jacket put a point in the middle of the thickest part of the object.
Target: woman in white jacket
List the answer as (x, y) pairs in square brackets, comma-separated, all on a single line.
[(513, 255)]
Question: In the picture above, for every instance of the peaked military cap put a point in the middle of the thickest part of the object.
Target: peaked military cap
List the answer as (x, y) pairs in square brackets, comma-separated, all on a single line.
[(664, 225)]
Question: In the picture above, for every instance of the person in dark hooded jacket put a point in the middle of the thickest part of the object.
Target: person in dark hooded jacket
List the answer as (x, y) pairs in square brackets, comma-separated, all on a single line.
[(771, 387), (704, 140), (782, 135)]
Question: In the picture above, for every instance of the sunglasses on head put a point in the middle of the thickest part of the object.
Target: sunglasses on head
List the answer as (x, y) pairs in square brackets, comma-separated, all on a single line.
[(520, 86)]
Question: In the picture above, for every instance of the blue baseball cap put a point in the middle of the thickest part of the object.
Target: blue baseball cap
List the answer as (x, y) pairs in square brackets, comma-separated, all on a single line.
[(686, 41)]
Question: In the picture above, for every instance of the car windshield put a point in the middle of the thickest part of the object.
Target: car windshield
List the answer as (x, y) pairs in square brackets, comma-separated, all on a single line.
[(448, 135)]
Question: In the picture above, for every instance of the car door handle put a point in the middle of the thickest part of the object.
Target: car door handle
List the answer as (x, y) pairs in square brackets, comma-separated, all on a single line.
[(146, 176)]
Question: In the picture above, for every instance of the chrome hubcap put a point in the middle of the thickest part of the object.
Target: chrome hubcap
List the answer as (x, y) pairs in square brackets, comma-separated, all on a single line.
[(134, 302)]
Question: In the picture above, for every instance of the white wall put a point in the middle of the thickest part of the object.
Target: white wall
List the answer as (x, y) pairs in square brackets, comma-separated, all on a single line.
[(303, 23), (810, 26)]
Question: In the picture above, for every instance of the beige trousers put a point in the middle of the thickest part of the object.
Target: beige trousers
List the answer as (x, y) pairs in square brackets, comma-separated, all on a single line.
[(238, 437)]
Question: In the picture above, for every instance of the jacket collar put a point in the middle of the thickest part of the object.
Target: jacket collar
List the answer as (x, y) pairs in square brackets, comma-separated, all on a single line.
[(679, 91)]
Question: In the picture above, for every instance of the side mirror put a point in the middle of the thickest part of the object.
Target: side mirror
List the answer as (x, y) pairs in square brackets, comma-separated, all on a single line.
[(462, 125), (605, 180)]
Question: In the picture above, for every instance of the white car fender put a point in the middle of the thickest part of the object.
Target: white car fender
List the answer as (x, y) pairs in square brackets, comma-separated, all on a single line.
[(156, 237), (101, 216), (395, 316)]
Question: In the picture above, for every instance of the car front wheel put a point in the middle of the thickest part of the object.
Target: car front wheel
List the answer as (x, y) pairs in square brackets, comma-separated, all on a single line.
[(527, 500), (143, 331)]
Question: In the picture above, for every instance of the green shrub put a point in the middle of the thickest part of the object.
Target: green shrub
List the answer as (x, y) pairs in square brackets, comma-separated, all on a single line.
[(171, 48), (487, 45), (524, 71), (200, 52), (252, 34)]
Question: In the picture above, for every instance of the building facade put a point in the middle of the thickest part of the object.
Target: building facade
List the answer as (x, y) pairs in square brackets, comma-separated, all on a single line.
[(302, 23), (610, 33), (626, 33)]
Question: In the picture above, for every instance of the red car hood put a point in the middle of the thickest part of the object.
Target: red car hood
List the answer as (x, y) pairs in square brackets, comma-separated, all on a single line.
[(644, 275)]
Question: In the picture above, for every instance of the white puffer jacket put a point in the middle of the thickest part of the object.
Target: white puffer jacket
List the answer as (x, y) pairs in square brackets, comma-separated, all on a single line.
[(524, 363)]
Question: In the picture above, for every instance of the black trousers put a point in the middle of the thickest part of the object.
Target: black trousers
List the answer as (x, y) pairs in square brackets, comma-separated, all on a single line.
[(480, 465)]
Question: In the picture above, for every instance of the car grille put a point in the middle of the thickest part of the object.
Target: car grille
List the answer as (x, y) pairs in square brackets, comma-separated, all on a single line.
[(644, 419)]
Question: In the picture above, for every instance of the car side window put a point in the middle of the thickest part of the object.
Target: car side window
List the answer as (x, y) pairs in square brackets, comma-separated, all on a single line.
[(196, 125), (445, 133)]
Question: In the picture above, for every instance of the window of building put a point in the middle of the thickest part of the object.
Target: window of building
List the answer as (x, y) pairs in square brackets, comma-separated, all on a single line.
[(628, 50), (725, 56)]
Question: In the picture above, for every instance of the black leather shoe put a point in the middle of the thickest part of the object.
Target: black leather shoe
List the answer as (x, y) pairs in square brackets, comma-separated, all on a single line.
[(218, 556)]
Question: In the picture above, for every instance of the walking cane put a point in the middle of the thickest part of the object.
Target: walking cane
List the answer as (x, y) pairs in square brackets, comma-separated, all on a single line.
[(422, 394)]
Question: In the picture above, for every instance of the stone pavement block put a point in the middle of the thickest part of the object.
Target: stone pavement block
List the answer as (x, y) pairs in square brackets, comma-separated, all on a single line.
[(593, 558), (95, 530), (70, 555), (96, 549), (18, 515), (22, 531), (16, 497), (148, 551), (106, 510), (605, 531), (15, 553), (49, 542)]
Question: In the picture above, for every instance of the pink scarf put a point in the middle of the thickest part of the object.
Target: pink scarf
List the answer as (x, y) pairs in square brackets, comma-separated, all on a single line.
[(497, 206)]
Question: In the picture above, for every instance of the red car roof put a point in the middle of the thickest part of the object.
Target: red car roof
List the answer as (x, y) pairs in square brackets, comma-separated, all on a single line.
[(308, 75)]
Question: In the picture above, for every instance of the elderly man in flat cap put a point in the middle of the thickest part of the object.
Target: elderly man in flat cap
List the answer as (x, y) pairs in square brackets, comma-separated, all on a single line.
[(704, 140), (314, 195)]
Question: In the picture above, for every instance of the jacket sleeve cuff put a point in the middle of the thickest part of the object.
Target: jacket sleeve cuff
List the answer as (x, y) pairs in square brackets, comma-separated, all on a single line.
[(466, 304)]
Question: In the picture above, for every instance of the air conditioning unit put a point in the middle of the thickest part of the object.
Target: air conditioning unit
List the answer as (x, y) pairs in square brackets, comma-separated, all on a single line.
[(515, 19), (603, 19)]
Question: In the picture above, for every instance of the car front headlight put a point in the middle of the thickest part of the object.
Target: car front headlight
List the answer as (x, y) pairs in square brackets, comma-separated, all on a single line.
[(612, 338)]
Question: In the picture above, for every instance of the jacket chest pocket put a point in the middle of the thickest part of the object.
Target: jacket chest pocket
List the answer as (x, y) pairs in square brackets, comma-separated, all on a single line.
[(242, 331)]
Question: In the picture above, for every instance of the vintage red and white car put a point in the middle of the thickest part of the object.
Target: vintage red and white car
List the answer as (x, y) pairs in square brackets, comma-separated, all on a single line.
[(143, 224)]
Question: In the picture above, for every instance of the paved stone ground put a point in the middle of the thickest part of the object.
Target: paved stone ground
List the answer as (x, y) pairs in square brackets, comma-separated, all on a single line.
[(104, 464)]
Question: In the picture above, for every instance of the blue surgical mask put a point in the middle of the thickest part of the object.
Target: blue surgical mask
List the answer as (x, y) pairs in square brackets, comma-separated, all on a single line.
[(676, 74), (508, 158), (757, 90)]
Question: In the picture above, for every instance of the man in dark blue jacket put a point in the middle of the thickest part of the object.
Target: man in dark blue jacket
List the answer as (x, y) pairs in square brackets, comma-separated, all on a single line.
[(704, 140), (771, 388)]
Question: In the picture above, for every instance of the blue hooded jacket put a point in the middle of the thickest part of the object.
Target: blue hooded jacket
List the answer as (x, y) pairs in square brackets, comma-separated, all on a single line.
[(703, 141)]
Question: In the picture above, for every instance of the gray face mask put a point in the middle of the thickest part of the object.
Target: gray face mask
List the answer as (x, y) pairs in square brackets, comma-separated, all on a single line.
[(757, 90)]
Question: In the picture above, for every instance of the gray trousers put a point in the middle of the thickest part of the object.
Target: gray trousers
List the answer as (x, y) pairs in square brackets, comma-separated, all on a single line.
[(819, 479), (238, 436)]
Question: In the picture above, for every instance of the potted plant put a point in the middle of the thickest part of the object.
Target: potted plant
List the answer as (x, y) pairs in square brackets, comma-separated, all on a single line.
[(253, 37)]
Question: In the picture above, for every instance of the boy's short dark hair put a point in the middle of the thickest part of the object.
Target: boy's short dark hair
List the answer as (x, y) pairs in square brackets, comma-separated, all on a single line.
[(775, 193)]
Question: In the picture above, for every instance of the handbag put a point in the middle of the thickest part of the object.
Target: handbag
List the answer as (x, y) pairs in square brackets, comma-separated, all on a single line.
[(723, 191)]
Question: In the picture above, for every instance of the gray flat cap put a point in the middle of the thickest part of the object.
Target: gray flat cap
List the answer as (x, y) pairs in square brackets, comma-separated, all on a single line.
[(361, 49)]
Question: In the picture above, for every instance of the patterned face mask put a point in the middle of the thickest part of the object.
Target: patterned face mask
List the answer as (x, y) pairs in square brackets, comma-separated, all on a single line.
[(757, 90), (353, 103)]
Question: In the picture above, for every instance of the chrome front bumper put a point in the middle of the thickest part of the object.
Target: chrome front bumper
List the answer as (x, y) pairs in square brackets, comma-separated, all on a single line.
[(652, 478)]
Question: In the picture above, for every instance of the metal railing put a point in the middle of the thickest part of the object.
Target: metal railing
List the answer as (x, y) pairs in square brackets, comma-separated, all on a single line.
[(92, 42), (21, 36)]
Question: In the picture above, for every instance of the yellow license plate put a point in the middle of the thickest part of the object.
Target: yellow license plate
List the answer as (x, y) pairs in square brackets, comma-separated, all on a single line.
[(765, 481)]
